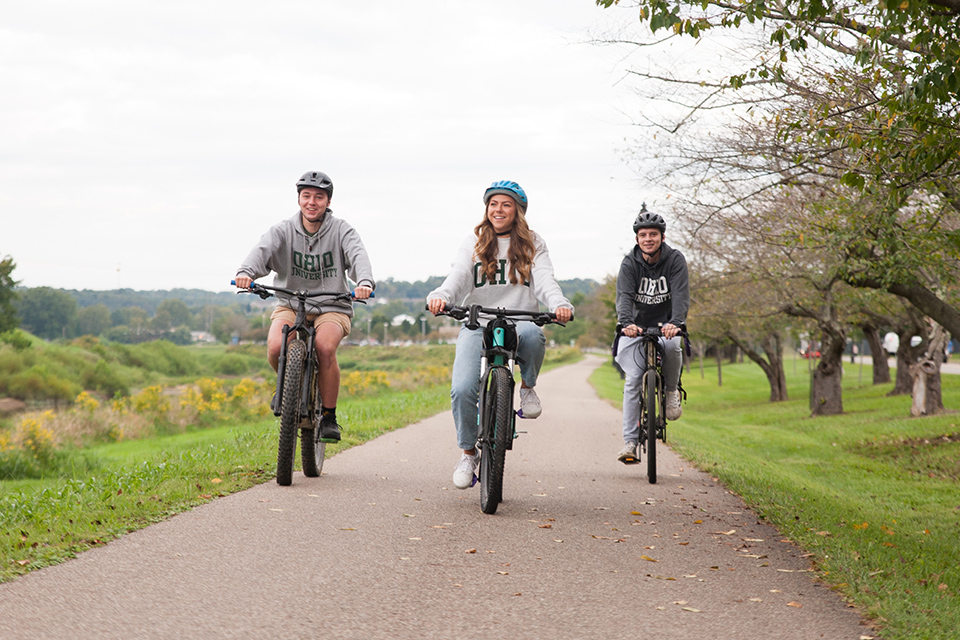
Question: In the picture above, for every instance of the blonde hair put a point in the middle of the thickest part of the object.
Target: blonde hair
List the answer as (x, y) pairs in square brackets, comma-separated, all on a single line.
[(519, 255)]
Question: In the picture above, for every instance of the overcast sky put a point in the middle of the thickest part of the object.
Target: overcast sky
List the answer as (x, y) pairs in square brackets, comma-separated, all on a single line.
[(149, 145)]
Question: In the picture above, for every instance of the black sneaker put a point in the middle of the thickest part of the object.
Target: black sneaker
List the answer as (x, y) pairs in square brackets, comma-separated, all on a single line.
[(329, 431)]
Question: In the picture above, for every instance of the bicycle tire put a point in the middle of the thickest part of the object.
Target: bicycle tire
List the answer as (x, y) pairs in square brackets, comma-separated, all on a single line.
[(651, 399), (312, 451), (290, 410), (497, 432)]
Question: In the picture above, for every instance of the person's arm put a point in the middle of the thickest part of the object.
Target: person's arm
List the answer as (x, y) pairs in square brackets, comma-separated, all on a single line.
[(626, 292), (546, 288), (357, 264), (679, 291), (458, 282), (259, 262)]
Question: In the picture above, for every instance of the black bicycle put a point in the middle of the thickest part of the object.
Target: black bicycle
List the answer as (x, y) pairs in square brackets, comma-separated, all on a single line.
[(497, 418), (297, 399), (653, 396)]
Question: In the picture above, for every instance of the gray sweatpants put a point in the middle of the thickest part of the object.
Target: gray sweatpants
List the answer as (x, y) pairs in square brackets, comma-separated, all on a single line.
[(633, 363)]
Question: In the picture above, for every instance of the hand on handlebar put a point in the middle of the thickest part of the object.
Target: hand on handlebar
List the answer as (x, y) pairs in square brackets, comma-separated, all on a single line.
[(362, 292), (670, 331), (243, 282), (564, 314), (436, 305)]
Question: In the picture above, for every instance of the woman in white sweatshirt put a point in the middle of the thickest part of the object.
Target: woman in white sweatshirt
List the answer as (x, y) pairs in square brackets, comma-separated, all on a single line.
[(503, 263)]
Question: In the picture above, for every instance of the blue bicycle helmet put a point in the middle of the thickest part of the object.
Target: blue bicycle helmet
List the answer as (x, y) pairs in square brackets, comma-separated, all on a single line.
[(647, 220), (317, 180), (507, 188)]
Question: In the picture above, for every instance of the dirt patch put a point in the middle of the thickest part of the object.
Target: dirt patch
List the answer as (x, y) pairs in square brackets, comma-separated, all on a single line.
[(11, 405)]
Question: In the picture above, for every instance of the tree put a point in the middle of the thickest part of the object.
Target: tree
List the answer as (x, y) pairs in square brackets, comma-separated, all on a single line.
[(177, 311), (93, 320), (8, 312), (47, 313)]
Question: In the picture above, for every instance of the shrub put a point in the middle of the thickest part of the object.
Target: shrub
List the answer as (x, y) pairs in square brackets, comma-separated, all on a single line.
[(105, 379), (231, 364), (17, 339)]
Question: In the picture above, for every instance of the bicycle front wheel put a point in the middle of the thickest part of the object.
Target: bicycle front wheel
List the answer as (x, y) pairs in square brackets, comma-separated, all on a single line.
[(290, 410), (651, 398), (496, 433), (311, 449)]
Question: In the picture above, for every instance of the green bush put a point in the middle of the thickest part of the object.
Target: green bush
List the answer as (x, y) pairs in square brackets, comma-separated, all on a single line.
[(231, 364), (105, 379), (17, 339), (38, 383)]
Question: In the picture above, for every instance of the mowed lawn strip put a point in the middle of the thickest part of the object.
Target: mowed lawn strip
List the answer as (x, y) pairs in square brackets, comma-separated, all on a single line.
[(873, 494)]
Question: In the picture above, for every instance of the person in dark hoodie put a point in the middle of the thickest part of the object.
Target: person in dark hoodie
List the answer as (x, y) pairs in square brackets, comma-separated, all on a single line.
[(652, 289), (313, 251)]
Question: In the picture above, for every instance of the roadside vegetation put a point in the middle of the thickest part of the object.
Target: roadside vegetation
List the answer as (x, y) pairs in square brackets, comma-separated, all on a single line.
[(872, 495), (187, 428)]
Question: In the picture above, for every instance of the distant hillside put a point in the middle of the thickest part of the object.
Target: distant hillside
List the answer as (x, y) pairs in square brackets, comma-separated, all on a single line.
[(388, 288), (150, 300)]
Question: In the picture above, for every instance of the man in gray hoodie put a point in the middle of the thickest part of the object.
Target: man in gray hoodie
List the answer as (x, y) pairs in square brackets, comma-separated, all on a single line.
[(653, 288), (313, 251)]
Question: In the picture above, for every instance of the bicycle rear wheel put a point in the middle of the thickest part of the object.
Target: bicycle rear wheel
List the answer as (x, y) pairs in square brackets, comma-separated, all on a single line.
[(651, 412), (496, 433), (311, 449), (290, 410)]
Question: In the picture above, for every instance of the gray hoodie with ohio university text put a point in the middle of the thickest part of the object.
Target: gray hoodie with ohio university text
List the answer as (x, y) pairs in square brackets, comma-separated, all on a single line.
[(651, 294), (321, 262)]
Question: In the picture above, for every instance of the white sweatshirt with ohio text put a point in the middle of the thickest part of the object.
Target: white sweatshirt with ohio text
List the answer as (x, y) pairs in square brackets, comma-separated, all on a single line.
[(467, 285)]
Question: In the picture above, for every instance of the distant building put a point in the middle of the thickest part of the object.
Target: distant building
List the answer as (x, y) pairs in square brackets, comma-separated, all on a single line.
[(202, 336)]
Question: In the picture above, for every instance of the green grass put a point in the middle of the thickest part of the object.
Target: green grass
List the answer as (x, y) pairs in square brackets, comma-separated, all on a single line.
[(873, 493)]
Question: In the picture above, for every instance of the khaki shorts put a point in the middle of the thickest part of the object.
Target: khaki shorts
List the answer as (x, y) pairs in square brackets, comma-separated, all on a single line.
[(289, 316)]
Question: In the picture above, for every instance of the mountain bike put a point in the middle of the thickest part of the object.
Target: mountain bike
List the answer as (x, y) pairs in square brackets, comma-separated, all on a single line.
[(653, 396), (297, 398), (496, 416)]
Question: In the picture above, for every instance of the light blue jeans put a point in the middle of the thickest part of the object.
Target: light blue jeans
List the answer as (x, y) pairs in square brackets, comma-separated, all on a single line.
[(634, 364), (465, 388)]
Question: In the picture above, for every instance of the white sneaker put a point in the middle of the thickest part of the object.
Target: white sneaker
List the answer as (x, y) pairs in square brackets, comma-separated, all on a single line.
[(628, 454), (465, 475), (674, 410), (529, 404)]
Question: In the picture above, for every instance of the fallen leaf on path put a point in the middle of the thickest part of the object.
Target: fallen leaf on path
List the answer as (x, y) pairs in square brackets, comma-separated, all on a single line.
[(726, 533), (503, 573), (558, 540), (635, 513), (470, 551), (648, 559), (276, 509), (753, 539), (414, 538), (794, 604), (698, 522), (409, 515), (546, 526), (690, 609), (346, 529), (756, 600), (216, 480)]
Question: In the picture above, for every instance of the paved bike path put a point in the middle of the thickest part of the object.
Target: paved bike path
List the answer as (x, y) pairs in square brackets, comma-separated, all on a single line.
[(382, 546)]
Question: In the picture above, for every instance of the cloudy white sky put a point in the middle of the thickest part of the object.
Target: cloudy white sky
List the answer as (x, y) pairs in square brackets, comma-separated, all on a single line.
[(149, 144)]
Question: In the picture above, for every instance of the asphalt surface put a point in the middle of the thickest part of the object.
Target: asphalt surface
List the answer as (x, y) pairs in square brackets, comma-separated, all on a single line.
[(383, 546)]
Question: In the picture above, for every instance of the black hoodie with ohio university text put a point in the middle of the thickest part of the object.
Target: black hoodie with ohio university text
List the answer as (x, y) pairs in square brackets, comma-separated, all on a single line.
[(652, 294)]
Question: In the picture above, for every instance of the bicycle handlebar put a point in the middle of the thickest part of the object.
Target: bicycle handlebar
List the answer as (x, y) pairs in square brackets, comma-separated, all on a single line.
[(472, 314), (266, 291)]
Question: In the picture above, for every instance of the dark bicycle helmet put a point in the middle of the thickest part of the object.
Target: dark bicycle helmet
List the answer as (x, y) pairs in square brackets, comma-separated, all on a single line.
[(508, 188), (647, 220), (317, 180)]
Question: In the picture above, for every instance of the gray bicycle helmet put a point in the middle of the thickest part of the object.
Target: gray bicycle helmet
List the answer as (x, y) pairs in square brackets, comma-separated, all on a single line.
[(317, 180), (647, 220)]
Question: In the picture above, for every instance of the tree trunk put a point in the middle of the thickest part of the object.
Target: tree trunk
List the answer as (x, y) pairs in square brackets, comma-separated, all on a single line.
[(881, 368), (719, 366), (907, 356), (927, 392), (772, 365), (826, 393)]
